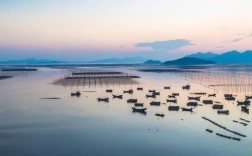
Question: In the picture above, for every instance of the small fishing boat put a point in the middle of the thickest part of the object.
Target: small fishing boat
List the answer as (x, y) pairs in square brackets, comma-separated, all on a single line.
[(139, 88), (156, 93), (150, 96), (211, 95), (223, 112), (194, 104), (109, 90), (160, 115), (186, 87), (76, 94), (194, 98), (208, 130), (118, 96), (244, 109), (175, 94), (152, 91), (187, 109), (171, 96), (230, 98), (167, 87), (248, 97), (243, 103), (217, 106), (172, 100), (208, 102), (132, 101), (199, 93), (139, 104), (155, 103), (139, 109), (128, 91), (103, 99), (173, 108)]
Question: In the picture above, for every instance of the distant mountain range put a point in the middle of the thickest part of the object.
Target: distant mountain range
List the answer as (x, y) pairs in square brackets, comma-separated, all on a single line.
[(127, 60), (152, 62), (188, 61), (30, 62), (227, 58)]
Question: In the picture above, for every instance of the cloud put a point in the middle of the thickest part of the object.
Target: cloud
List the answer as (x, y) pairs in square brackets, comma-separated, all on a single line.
[(237, 39), (165, 45)]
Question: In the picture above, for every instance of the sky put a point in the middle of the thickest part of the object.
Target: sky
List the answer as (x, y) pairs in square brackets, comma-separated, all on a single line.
[(85, 30)]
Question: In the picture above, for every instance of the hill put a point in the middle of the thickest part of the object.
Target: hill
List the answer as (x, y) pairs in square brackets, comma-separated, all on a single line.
[(188, 61), (153, 62)]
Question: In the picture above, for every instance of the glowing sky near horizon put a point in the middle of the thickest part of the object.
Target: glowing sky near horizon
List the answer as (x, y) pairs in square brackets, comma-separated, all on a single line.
[(91, 29)]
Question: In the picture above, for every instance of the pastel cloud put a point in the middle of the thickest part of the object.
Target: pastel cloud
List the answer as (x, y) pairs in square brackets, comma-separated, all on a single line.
[(165, 45)]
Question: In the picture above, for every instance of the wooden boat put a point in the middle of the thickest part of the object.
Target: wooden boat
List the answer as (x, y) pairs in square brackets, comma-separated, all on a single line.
[(207, 101), (128, 91), (248, 97), (132, 101), (139, 88), (150, 96), (208, 130), (139, 104), (194, 98), (244, 109), (109, 90), (167, 87), (76, 94), (172, 100), (230, 98), (243, 103), (139, 109), (175, 94), (160, 115), (199, 93), (173, 108), (223, 112), (187, 109), (217, 107), (155, 103), (194, 104), (156, 93), (211, 95), (103, 99), (171, 96), (186, 87), (228, 95), (118, 96), (152, 91)]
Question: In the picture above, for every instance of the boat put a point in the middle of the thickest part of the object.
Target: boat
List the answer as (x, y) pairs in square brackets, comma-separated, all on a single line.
[(194, 98), (139, 109), (211, 95), (160, 115), (175, 94), (230, 98), (208, 130), (139, 88), (237, 139), (199, 93), (103, 99), (194, 104), (118, 96), (128, 91), (139, 104), (155, 93), (248, 97), (171, 96), (243, 103), (173, 108), (109, 90), (186, 87), (150, 96), (167, 87), (152, 91), (217, 107), (155, 103), (244, 109), (207, 101), (228, 95), (172, 100), (187, 109), (223, 112), (132, 101), (76, 94)]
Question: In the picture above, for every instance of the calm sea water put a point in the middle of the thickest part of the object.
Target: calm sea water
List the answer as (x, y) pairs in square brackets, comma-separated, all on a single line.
[(32, 126)]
